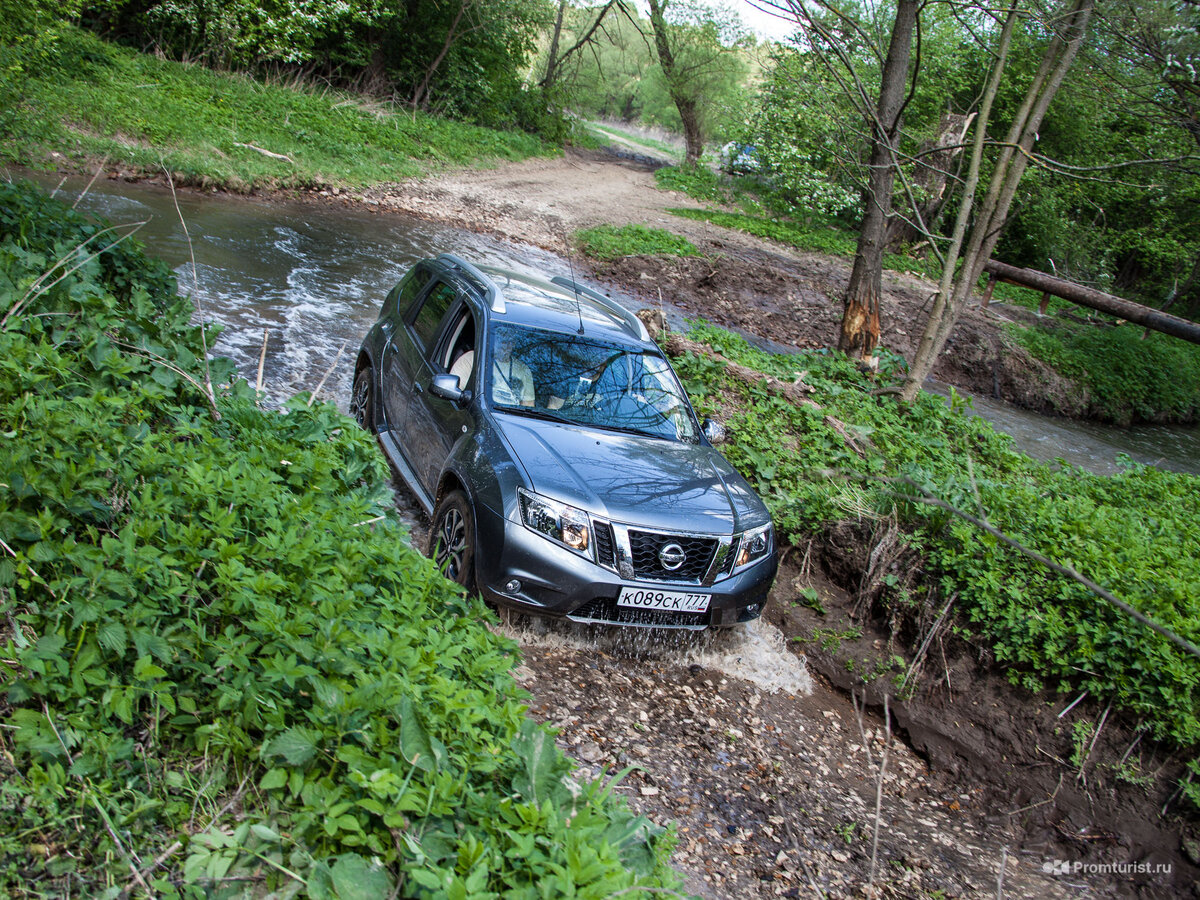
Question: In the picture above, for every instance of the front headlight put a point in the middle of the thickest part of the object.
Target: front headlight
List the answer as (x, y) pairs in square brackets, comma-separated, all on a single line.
[(560, 522), (756, 543)]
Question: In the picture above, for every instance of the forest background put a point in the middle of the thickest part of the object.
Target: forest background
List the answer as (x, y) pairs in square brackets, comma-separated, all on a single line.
[(1112, 200)]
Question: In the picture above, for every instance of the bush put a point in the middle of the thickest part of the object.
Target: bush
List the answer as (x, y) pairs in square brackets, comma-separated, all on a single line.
[(1127, 378), (219, 650), (1135, 533)]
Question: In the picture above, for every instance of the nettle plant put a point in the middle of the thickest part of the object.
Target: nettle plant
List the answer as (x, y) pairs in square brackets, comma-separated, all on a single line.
[(224, 670)]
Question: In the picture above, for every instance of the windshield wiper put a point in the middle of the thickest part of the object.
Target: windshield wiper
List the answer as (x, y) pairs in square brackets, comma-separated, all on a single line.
[(535, 413)]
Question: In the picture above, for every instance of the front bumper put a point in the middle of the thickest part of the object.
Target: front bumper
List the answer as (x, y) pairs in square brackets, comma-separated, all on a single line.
[(558, 582)]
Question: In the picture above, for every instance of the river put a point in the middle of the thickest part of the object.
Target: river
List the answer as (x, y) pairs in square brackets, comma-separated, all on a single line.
[(312, 276)]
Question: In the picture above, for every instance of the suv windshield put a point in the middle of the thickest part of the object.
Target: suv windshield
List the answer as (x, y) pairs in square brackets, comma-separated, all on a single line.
[(575, 379)]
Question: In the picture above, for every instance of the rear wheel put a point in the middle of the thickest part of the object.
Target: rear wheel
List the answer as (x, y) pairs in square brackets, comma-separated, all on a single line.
[(452, 539), (360, 400)]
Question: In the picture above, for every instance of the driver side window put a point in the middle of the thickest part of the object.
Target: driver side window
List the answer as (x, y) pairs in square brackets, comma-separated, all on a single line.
[(458, 353)]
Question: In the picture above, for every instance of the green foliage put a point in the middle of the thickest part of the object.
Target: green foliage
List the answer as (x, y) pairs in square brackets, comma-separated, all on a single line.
[(462, 59), (1137, 533), (1119, 208), (620, 78), (1127, 379), (794, 126), (607, 242), (698, 182), (218, 648), (817, 240), (97, 100)]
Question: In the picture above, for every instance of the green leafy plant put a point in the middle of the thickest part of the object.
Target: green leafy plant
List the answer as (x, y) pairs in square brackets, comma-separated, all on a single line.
[(218, 649), (811, 599), (1082, 733), (608, 242), (1134, 532), (1127, 378)]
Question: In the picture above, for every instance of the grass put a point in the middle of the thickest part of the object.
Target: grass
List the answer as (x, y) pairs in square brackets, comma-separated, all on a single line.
[(609, 242), (1128, 379), (766, 213), (101, 101)]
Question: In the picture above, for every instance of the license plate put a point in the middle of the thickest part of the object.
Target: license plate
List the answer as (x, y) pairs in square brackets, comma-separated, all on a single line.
[(665, 601)]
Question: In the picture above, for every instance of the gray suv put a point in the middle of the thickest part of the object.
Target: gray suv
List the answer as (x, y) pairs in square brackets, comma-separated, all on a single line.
[(559, 458)]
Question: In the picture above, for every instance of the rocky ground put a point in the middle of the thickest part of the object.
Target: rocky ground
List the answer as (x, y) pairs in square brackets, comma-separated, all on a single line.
[(756, 743)]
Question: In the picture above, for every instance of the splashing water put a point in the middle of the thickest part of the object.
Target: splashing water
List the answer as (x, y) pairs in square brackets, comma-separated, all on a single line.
[(755, 652)]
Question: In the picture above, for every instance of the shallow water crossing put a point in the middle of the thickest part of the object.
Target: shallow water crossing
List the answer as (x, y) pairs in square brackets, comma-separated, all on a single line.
[(756, 652)]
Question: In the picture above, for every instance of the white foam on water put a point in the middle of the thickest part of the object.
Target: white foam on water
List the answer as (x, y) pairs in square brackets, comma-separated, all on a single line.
[(755, 652)]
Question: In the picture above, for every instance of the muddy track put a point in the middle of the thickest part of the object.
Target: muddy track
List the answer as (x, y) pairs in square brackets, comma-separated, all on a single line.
[(777, 784)]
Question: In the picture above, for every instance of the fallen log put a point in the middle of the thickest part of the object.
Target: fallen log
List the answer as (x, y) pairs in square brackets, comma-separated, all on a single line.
[(1094, 299)]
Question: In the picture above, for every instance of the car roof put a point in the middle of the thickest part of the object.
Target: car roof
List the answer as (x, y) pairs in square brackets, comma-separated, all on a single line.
[(558, 304)]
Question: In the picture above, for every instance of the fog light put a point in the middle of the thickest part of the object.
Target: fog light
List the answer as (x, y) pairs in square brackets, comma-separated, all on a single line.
[(512, 586)]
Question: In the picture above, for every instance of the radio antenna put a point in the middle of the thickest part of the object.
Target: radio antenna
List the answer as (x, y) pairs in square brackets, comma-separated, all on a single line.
[(574, 283)]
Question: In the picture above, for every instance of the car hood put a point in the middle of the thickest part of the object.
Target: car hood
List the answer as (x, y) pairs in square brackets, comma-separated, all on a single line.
[(634, 479)]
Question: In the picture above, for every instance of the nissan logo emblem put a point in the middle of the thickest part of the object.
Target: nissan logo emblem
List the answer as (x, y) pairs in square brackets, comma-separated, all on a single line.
[(671, 556)]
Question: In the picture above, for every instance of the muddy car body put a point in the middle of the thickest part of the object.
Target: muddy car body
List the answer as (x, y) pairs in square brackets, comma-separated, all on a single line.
[(557, 454)]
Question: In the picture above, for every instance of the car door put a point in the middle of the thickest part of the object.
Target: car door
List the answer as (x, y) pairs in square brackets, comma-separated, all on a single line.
[(435, 424), (405, 349)]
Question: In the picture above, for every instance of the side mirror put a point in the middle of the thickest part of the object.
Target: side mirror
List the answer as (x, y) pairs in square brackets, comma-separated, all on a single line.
[(446, 387), (714, 432)]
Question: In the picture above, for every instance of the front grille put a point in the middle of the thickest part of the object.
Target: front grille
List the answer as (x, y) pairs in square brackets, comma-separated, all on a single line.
[(731, 556), (606, 553), (645, 546), (606, 611)]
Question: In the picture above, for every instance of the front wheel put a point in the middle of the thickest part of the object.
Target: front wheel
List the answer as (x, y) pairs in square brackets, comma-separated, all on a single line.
[(360, 400), (452, 539)]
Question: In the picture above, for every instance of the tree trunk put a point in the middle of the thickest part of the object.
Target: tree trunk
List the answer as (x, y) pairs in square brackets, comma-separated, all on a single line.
[(934, 163), (686, 105), (420, 98), (1155, 319), (1010, 166), (552, 54), (860, 319)]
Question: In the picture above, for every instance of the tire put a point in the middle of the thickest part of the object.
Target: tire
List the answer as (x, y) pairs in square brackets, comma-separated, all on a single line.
[(362, 401), (452, 539)]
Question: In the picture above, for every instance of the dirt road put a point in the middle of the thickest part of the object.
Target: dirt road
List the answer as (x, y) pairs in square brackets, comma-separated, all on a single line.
[(777, 784)]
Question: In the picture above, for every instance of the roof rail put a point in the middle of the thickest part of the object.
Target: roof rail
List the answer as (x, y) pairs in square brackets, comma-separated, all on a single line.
[(611, 305), (492, 295)]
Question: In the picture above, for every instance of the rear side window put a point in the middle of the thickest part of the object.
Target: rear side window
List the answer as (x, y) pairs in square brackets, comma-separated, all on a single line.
[(400, 298), (430, 315)]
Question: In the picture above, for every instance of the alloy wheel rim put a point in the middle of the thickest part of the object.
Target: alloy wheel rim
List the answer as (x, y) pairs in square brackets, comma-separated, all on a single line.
[(358, 402), (452, 544)]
